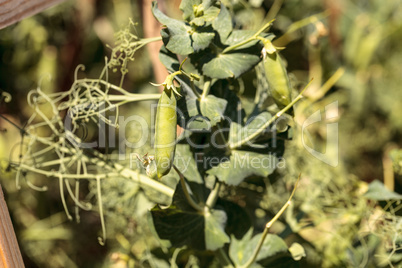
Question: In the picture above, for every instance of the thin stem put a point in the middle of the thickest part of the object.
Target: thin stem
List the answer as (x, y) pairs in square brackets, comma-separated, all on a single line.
[(221, 134), (181, 64), (176, 73), (174, 257), (143, 42), (286, 37), (150, 40), (266, 26), (327, 85), (133, 97), (186, 193), (102, 239), (194, 90), (22, 131), (252, 38), (273, 11), (77, 202), (268, 226), (213, 196), (77, 193), (63, 200), (205, 90), (121, 171), (99, 160), (224, 259), (269, 122)]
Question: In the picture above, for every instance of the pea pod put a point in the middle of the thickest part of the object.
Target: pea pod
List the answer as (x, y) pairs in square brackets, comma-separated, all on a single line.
[(165, 132), (277, 77)]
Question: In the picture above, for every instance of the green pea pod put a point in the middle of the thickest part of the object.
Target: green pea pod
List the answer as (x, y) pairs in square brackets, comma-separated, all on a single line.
[(165, 132), (278, 81)]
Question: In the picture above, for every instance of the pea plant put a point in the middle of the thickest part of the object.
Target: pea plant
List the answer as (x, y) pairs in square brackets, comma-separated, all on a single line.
[(209, 138)]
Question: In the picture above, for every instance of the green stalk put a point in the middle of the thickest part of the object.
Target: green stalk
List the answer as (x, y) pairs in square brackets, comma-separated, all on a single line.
[(286, 37), (213, 196), (205, 90), (273, 11), (268, 226), (252, 38), (186, 193), (269, 122), (194, 90)]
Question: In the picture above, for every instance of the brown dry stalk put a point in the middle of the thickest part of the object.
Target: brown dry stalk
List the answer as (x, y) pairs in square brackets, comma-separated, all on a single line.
[(10, 255), (12, 11)]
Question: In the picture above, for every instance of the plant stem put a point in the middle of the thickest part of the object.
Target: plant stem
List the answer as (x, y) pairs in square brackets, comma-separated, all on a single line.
[(224, 259), (285, 38), (213, 196), (186, 193), (327, 85), (266, 26), (116, 169), (273, 11), (132, 97), (175, 73), (145, 41), (102, 239), (269, 122), (268, 226), (205, 90), (194, 90), (252, 38)]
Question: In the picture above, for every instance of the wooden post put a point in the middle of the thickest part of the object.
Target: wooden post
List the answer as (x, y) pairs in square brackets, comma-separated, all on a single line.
[(12, 11), (10, 255), (153, 28)]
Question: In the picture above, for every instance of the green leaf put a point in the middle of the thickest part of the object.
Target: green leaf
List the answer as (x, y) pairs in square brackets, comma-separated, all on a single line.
[(187, 106), (180, 44), (176, 37), (377, 191), (209, 15), (213, 108), (243, 164), (215, 236), (238, 222), (208, 3), (240, 251), (180, 223), (238, 36), (297, 251), (201, 40), (169, 59), (238, 133), (223, 24), (230, 65), (181, 228), (199, 123), (184, 161), (187, 7)]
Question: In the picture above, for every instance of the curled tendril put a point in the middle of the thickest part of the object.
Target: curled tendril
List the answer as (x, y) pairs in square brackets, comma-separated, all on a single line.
[(6, 97), (43, 77), (80, 67), (33, 98), (51, 145)]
